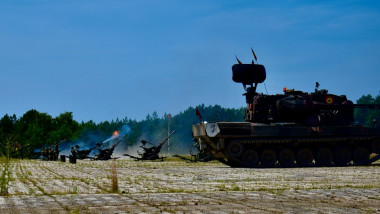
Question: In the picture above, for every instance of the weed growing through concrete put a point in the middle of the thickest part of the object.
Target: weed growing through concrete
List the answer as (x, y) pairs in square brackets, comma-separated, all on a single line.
[(114, 185), (4, 179)]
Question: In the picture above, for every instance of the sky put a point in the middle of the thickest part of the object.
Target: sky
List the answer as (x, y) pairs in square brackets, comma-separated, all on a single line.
[(104, 60)]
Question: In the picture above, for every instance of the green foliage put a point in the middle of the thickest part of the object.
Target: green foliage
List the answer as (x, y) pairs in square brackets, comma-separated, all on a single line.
[(65, 127), (366, 116), (35, 130), (7, 125)]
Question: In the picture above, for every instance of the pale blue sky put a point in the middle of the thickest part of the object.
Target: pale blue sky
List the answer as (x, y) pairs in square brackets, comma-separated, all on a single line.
[(104, 60)]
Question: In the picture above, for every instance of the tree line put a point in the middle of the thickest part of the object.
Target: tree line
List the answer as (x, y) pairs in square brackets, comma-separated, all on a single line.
[(36, 130), (365, 116)]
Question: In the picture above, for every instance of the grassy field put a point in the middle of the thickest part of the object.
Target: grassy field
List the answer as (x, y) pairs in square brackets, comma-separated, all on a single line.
[(175, 186)]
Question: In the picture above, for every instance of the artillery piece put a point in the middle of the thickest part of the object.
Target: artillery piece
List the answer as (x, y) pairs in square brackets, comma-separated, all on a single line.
[(106, 154), (150, 153), (291, 129), (84, 153)]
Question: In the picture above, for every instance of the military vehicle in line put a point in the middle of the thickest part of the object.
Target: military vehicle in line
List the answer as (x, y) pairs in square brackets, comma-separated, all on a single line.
[(150, 153), (106, 154), (295, 128), (83, 153)]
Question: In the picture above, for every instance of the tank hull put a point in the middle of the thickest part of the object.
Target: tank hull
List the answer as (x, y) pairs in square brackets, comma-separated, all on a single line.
[(246, 144)]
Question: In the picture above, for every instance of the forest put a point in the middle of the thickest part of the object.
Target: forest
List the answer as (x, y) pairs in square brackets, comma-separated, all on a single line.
[(20, 136)]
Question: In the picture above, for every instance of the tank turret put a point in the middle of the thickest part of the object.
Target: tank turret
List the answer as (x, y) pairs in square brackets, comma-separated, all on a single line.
[(310, 109)]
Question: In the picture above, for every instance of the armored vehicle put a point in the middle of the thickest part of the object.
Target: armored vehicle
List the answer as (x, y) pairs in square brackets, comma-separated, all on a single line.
[(295, 128)]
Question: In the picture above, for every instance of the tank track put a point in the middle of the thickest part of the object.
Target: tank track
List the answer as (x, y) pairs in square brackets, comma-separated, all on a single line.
[(299, 152)]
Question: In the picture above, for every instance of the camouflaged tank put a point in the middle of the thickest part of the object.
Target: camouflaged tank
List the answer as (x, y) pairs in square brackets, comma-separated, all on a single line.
[(290, 129)]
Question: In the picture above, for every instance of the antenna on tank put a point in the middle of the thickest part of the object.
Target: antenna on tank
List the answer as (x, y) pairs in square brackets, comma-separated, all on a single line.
[(254, 56), (265, 88)]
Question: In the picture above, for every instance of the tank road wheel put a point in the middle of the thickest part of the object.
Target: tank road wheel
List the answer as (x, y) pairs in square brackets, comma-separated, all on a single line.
[(325, 157), (250, 158), (268, 157), (305, 157), (286, 158), (342, 156), (361, 156), (234, 149)]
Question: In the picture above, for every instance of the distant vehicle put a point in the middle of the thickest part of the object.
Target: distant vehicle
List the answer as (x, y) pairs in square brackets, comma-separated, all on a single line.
[(152, 152), (84, 153), (106, 154)]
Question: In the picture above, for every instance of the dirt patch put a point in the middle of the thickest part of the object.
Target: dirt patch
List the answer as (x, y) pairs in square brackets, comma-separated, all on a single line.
[(174, 186)]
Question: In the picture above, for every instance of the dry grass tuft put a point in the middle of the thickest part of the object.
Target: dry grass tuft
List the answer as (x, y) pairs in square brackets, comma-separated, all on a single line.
[(115, 184)]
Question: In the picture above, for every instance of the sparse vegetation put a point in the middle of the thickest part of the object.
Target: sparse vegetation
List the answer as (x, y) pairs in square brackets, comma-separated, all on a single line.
[(165, 181), (5, 175), (115, 184)]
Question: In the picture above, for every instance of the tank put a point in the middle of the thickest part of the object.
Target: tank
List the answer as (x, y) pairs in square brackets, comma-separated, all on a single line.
[(292, 129)]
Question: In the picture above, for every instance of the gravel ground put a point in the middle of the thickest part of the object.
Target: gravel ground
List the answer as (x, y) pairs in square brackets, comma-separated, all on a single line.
[(174, 186)]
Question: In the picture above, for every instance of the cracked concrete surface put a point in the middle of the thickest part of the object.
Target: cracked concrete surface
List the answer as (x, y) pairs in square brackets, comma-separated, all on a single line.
[(174, 186)]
